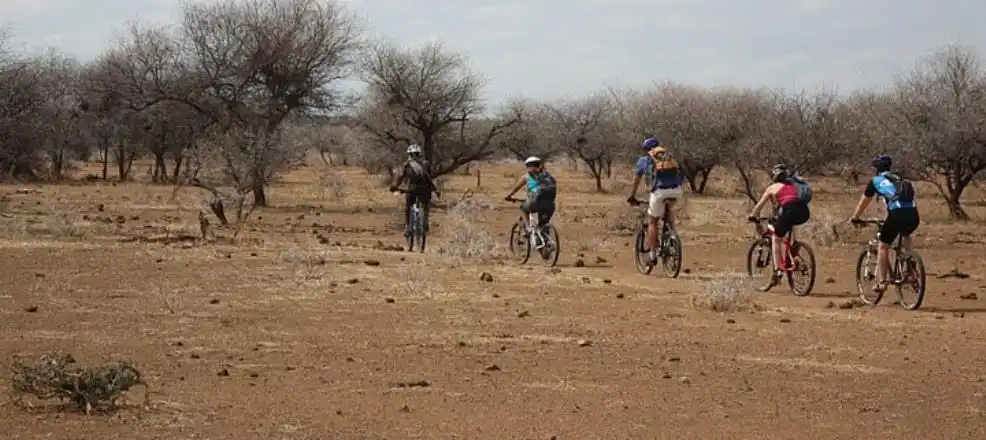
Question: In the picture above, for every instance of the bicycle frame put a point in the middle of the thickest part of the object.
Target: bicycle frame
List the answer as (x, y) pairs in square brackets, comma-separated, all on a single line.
[(787, 262)]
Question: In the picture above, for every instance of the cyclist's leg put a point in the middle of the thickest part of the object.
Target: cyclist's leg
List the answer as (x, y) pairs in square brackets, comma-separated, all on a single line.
[(888, 233), (912, 223), (671, 198), (408, 202), (779, 228), (546, 210), (655, 210)]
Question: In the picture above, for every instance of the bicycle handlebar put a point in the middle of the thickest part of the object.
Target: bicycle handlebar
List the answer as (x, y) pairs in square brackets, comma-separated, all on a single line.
[(511, 199), (760, 219), (635, 202)]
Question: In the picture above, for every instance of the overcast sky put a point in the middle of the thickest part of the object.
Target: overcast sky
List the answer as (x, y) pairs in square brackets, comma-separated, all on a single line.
[(555, 48)]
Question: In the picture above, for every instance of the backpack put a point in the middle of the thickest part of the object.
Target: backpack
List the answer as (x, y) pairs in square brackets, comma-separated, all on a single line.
[(547, 185), (662, 165), (804, 189), (417, 174), (903, 189)]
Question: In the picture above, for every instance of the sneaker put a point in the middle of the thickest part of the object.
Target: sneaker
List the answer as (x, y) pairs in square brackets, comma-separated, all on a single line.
[(776, 278)]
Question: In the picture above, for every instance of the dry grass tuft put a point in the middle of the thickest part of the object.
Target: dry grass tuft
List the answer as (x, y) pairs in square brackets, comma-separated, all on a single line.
[(723, 293), (465, 238), (57, 376), (305, 264)]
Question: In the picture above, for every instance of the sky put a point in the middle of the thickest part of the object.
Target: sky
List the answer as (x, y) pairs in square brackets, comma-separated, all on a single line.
[(548, 49)]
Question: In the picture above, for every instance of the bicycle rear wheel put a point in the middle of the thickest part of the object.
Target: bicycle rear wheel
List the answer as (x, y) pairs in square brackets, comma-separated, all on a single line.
[(672, 255), (865, 274), (801, 275), (412, 225), (520, 243), (910, 271), (420, 231), (758, 262), (552, 246), (640, 254)]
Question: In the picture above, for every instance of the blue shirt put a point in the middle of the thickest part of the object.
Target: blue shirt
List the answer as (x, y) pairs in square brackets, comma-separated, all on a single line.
[(657, 180), (882, 186)]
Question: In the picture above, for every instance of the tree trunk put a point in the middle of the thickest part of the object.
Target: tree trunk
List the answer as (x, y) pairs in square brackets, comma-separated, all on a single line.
[(175, 172), (747, 179), (106, 161), (259, 196), (160, 173)]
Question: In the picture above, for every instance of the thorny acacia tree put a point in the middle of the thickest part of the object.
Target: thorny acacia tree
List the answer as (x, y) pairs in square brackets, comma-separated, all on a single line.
[(429, 96), (585, 127)]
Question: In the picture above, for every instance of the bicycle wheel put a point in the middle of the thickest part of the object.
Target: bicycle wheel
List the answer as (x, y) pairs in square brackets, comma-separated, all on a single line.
[(520, 243), (641, 255), (758, 262), (413, 226), (801, 276), (865, 274), (420, 231), (910, 270), (552, 246), (672, 255)]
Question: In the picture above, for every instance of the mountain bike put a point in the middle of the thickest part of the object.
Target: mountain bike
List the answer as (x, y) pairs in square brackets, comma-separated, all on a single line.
[(906, 268), (798, 263), (524, 238), (416, 222), (669, 244)]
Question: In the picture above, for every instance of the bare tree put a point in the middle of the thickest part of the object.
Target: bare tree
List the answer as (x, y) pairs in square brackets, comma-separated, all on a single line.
[(585, 127), (424, 96), (21, 97), (528, 137), (942, 106)]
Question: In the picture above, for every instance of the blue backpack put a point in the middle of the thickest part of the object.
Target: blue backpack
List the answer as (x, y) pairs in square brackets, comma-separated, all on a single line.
[(898, 190), (804, 189)]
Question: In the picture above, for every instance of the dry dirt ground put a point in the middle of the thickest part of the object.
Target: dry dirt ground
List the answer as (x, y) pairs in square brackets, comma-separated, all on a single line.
[(287, 333)]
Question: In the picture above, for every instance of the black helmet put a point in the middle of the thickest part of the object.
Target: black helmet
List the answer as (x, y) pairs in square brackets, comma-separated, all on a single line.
[(882, 163), (780, 172)]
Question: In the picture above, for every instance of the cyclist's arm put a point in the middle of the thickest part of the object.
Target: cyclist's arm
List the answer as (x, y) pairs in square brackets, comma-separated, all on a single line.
[(638, 173), (518, 186), (767, 194), (864, 200), (400, 179)]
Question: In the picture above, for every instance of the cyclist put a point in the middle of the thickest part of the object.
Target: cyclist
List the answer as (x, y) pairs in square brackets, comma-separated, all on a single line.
[(902, 213), (541, 192), (792, 210), (665, 179), (419, 187)]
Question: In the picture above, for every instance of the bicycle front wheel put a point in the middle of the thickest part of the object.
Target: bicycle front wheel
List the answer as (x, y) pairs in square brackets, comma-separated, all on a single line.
[(801, 272), (640, 254), (758, 262), (865, 274), (413, 226), (910, 271), (420, 232), (520, 243), (672, 255)]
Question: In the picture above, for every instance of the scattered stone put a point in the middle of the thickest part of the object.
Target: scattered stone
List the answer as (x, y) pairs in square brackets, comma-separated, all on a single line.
[(785, 320), (730, 321), (666, 376), (253, 254), (389, 300), (830, 305), (600, 260), (584, 342), (39, 275), (352, 281), (195, 356), (31, 308), (620, 296), (371, 262), (524, 314), (954, 273), (413, 384), (223, 373), (486, 276), (254, 374), (674, 359), (214, 301), (830, 280), (969, 296), (496, 295), (607, 281), (579, 263), (586, 280), (684, 380), (406, 409), (687, 271), (492, 367)]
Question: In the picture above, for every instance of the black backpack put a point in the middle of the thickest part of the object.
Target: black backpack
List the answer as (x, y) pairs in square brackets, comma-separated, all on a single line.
[(903, 188)]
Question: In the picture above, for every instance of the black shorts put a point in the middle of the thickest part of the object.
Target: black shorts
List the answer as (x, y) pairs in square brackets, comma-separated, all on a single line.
[(544, 208), (790, 215), (899, 222)]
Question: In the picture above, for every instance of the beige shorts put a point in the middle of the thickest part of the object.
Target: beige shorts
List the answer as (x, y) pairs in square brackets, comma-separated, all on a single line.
[(658, 197)]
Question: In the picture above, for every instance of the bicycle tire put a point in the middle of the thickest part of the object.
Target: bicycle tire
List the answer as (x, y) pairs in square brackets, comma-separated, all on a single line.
[(751, 261), (520, 253), (641, 255), (865, 286), (672, 242), (921, 278), (552, 233), (412, 232), (796, 249), (422, 235)]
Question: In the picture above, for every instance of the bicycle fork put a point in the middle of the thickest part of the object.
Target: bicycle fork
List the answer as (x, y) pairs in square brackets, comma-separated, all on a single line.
[(533, 228)]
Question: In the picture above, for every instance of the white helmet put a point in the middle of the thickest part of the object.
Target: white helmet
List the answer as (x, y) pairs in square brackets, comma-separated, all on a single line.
[(413, 149), (532, 159)]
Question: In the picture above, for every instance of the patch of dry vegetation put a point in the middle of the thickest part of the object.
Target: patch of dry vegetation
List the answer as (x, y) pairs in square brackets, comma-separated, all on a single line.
[(56, 375), (465, 239), (722, 293)]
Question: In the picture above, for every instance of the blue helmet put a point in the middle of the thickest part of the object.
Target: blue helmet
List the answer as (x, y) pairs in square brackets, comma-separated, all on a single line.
[(650, 142), (882, 163)]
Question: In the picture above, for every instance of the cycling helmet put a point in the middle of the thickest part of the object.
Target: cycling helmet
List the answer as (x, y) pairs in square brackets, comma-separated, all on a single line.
[(413, 149), (882, 163), (650, 143), (780, 172), (533, 160)]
